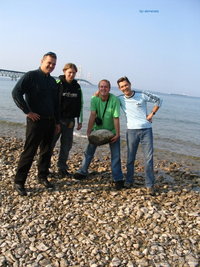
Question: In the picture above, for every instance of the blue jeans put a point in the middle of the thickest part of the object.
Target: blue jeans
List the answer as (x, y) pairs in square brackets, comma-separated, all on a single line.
[(145, 137), (66, 140), (115, 160)]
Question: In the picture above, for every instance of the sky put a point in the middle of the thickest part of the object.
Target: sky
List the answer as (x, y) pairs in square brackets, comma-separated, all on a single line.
[(155, 43)]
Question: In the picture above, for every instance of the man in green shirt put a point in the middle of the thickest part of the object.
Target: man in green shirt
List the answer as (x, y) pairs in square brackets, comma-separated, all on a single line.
[(106, 106)]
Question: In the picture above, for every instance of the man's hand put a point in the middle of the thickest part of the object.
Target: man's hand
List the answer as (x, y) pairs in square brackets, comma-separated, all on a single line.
[(33, 116), (149, 117), (57, 129), (97, 93), (114, 139), (91, 122), (79, 126), (88, 132)]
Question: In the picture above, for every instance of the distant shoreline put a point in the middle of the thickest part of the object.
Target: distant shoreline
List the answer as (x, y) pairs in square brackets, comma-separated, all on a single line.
[(5, 78)]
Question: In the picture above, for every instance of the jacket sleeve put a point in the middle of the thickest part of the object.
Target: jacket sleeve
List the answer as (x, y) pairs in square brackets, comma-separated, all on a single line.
[(81, 113), (19, 90), (58, 102)]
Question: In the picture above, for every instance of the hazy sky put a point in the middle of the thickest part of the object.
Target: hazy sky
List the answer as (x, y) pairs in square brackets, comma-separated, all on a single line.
[(156, 43)]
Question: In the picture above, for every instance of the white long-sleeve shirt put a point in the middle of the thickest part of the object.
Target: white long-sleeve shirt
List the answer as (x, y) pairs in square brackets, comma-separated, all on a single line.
[(135, 108)]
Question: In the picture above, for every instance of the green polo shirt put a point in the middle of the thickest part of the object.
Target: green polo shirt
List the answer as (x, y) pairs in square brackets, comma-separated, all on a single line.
[(112, 111)]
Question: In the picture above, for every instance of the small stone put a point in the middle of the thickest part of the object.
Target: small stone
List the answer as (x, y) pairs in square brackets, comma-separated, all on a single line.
[(9, 255), (60, 255), (192, 262), (63, 263), (3, 261), (115, 262), (42, 247)]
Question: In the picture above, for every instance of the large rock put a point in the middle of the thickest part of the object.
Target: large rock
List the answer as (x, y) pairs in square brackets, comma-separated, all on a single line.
[(100, 137)]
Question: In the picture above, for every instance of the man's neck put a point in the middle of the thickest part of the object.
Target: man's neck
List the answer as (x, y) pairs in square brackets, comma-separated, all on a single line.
[(131, 93), (104, 98), (68, 81), (43, 71)]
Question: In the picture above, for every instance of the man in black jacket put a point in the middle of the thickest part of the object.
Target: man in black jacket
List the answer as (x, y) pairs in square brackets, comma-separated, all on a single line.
[(71, 105), (40, 105)]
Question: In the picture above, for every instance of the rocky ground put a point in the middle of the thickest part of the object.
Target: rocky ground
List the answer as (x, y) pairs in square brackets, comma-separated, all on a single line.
[(88, 223)]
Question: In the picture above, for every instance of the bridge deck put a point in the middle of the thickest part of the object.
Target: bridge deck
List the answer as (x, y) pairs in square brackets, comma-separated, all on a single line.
[(14, 75)]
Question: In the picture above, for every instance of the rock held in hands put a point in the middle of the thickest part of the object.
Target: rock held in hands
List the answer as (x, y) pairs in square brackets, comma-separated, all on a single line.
[(100, 137)]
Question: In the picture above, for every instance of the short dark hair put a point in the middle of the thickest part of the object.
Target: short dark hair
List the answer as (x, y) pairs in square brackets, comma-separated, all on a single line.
[(51, 54), (70, 66), (104, 80), (122, 79)]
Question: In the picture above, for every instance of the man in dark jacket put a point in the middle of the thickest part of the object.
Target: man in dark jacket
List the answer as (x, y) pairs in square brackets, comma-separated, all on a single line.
[(71, 104), (40, 105)]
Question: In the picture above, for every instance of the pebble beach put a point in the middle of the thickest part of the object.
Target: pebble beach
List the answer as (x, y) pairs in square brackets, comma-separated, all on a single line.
[(89, 223)]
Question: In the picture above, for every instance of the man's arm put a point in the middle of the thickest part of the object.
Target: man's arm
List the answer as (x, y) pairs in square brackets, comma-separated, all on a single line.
[(81, 113), (18, 93), (157, 103), (117, 129), (80, 118), (153, 112), (18, 96), (91, 122)]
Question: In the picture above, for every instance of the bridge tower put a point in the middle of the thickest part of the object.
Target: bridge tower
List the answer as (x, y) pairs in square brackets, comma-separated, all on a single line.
[(79, 73)]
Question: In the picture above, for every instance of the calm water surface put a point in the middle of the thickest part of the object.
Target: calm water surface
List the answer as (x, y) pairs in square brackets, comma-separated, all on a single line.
[(176, 126)]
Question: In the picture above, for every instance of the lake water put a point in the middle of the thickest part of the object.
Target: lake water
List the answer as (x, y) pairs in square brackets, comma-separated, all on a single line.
[(176, 126)]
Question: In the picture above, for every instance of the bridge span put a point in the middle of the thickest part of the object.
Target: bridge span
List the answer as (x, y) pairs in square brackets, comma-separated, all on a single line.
[(14, 75)]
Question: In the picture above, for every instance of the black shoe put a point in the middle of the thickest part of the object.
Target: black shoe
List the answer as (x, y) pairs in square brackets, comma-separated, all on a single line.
[(20, 189), (45, 182), (50, 174), (119, 185), (79, 176), (64, 172), (128, 185)]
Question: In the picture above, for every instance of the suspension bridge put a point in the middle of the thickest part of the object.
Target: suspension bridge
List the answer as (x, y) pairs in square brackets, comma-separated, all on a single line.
[(14, 75)]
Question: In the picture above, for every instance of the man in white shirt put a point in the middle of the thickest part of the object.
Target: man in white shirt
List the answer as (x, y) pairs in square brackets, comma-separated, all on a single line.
[(139, 129)]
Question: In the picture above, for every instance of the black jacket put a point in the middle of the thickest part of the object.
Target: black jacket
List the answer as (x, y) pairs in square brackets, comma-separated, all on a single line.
[(70, 98), (41, 94)]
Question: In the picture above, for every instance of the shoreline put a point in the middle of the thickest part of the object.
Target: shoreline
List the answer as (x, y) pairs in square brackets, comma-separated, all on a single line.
[(17, 130)]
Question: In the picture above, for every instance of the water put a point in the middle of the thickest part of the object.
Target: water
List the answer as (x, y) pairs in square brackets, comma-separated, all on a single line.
[(176, 126)]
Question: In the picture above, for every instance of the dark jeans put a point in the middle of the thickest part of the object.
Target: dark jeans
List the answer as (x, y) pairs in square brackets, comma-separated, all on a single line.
[(38, 134), (66, 141)]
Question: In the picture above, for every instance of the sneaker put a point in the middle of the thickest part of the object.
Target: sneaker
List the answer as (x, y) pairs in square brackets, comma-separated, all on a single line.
[(20, 189), (119, 185), (79, 176), (128, 185), (150, 191)]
